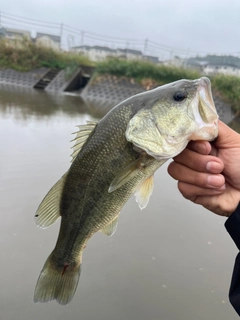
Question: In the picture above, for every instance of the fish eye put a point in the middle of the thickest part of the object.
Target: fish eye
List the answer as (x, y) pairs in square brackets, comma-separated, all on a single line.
[(179, 96)]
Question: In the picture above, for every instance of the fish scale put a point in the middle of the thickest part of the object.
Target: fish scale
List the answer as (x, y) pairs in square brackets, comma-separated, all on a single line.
[(112, 160), (110, 204)]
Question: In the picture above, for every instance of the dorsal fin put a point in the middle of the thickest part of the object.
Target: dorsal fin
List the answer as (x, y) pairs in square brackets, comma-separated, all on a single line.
[(81, 137)]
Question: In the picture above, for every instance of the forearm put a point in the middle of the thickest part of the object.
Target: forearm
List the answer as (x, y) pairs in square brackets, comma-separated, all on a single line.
[(233, 227)]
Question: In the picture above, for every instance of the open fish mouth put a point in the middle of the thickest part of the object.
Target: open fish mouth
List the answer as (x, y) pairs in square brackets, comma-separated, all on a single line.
[(203, 111), (207, 107)]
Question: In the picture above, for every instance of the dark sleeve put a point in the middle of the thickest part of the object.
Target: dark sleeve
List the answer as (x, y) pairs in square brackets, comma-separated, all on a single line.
[(233, 227)]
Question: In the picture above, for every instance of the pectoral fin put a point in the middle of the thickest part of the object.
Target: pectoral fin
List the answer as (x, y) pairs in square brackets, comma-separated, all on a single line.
[(49, 209), (124, 176), (144, 192), (111, 228)]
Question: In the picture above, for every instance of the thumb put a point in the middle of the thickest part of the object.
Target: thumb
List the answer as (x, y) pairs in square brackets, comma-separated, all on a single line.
[(227, 138)]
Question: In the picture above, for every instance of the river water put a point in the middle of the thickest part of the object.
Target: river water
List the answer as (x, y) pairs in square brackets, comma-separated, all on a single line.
[(171, 261)]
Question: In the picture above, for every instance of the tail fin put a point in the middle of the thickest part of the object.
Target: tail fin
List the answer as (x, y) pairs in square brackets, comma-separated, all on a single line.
[(57, 284)]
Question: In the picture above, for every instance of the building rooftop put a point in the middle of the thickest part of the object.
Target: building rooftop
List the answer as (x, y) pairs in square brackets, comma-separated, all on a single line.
[(19, 31), (51, 36), (103, 48), (151, 58), (132, 51)]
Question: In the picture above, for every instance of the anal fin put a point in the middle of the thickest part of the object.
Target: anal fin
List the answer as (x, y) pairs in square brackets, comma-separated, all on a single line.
[(111, 228)]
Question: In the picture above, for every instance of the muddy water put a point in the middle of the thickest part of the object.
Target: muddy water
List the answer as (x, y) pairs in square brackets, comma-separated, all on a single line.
[(171, 261)]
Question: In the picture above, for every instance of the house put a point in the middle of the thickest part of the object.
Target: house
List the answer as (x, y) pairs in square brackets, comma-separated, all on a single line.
[(226, 69), (197, 65), (100, 53), (95, 53), (212, 65), (2, 32), (150, 58), (15, 34), (48, 40), (130, 54), (81, 49)]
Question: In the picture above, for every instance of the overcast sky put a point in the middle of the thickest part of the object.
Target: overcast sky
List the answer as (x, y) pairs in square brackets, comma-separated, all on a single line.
[(191, 26)]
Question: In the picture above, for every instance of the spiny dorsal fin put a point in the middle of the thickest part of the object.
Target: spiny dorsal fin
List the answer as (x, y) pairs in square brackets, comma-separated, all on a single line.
[(111, 228), (144, 192), (81, 137), (49, 209)]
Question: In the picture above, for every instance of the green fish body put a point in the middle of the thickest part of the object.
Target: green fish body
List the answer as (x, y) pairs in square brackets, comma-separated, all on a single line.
[(112, 160)]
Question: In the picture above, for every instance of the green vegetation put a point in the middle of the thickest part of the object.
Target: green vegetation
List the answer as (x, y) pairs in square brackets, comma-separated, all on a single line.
[(140, 70), (24, 55), (229, 87)]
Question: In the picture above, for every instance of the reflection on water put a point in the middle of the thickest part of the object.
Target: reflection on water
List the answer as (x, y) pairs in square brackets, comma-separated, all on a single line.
[(25, 104), (172, 260)]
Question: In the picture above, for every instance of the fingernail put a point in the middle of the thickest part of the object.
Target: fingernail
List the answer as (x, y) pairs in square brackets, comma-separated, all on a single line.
[(215, 180), (214, 167)]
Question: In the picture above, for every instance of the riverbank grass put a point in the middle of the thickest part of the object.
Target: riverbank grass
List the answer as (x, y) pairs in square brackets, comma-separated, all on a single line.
[(229, 88), (24, 55), (140, 70)]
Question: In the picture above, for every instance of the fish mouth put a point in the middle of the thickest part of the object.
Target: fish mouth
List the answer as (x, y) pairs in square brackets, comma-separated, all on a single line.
[(204, 111)]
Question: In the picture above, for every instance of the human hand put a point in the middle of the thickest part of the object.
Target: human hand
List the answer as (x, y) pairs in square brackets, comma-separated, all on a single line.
[(209, 173)]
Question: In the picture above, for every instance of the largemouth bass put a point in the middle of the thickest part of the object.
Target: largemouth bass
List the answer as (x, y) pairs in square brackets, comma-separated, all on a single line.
[(113, 159)]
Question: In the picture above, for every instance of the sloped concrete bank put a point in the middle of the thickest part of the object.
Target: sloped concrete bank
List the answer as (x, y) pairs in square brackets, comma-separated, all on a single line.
[(100, 93)]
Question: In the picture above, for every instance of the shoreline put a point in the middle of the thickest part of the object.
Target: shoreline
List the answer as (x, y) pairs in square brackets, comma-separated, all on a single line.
[(99, 92)]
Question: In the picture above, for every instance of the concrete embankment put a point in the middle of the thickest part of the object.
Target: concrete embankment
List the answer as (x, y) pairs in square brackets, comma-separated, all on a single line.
[(100, 93)]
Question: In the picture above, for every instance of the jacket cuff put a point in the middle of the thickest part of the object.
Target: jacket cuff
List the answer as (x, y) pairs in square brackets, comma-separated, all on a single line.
[(233, 226)]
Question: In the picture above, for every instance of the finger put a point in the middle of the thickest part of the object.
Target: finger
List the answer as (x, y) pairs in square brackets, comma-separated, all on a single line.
[(200, 162), (222, 204), (201, 179), (192, 192), (200, 146), (214, 150), (227, 137)]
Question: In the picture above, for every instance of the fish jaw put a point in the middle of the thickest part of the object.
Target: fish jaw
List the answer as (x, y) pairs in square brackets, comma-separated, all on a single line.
[(165, 129), (204, 113)]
